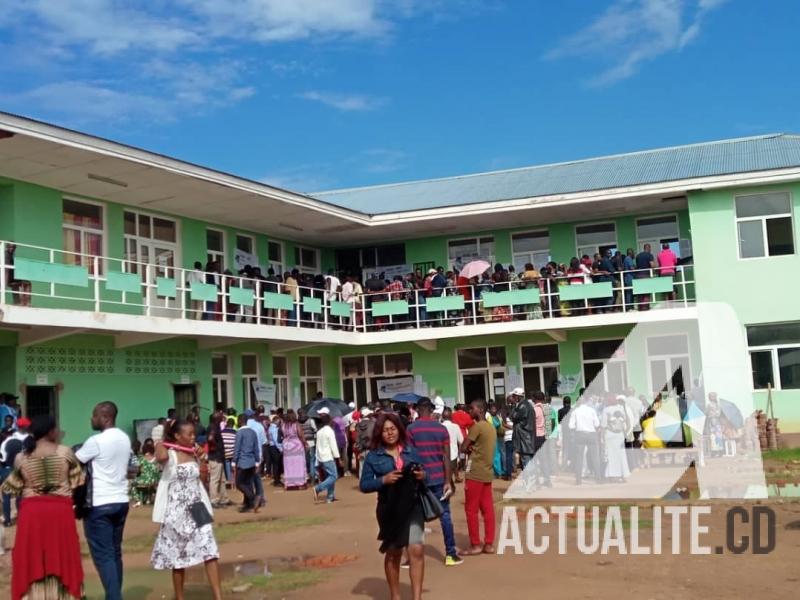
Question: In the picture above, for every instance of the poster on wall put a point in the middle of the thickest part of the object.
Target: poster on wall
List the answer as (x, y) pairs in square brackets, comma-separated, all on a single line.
[(420, 387), (388, 272), (264, 392), (241, 259), (567, 384), (397, 385)]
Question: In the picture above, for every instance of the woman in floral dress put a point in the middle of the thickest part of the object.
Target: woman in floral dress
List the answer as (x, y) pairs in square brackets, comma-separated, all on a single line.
[(181, 542), (149, 473)]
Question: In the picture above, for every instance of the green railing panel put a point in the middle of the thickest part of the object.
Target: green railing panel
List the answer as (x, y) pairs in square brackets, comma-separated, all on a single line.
[(652, 285), (167, 288), (510, 298), (278, 301), (241, 296), (123, 282), (312, 305), (442, 303), (46, 272), (340, 309), (393, 307), (586, 291), (206, 292)]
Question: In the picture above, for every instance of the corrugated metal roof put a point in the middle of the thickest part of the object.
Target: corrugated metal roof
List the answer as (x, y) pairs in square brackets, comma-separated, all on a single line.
[(741, 155)]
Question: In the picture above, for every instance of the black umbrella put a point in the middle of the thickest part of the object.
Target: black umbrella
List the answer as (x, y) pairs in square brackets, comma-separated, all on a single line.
[(336, 408)]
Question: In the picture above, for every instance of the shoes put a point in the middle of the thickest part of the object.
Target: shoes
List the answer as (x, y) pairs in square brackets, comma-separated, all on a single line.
[(405, 565), (245, 509), (452, 561)]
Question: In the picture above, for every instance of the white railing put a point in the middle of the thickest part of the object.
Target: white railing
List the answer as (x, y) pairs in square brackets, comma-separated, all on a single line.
[(362, 307)]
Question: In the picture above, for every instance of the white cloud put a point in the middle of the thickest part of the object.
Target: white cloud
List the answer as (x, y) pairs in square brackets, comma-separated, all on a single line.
[(383, 160), (344, 102), (632, 32)]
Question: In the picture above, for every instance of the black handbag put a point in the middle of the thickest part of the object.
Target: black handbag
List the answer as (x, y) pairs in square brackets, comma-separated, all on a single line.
[(82, 495), (431, 507), (200, 515)]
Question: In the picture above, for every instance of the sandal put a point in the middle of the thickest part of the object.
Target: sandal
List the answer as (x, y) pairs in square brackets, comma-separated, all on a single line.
[(488, 549), (474, 551)]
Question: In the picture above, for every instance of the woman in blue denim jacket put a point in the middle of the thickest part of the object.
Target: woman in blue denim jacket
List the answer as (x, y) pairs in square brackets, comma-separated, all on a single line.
[(393, 469)]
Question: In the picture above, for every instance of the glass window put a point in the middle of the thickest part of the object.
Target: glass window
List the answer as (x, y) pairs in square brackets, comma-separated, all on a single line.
[(761, 363), (764, 224), (789, 367), (472, 358), (657, 227), (602, 349), (460, 252), (215, 240), (532, 241), (497, 356), (249, 364), (667, 345), (751, 239), (394, 254), (83, 231), (164, 230), (598, 234), (375, 365), (313, 366), (763, 205), (773, 334), (398, 363), (279, 365), (352, 366), (306, 258), (275, 250), (780, 237), (219, 364), (547, 353), (244, 243)]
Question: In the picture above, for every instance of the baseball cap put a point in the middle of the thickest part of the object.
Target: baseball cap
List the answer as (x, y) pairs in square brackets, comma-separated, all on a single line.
[(365, 412), (620, 397), (517, 391), (23, 422), (438, 410), (352, 405), (432, 271), (324, 411)]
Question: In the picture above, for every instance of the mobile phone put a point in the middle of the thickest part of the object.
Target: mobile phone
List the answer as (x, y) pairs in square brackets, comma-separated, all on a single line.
[(446, 495)]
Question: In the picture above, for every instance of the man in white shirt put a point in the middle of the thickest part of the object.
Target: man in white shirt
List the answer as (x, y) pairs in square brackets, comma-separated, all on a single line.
[(157, 433), (327, 456), (196, 275), (456, 438), (333, 287), (109, 453), (349, 296), (584, 423)]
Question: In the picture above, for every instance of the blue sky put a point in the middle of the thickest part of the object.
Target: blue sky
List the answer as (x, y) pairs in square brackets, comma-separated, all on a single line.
[(322, 94)]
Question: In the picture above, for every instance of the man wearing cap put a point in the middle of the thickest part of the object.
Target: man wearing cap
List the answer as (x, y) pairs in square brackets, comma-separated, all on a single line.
[(522, 418), (9, 449)]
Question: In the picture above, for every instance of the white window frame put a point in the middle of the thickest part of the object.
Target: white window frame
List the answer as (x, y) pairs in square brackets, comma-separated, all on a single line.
[(477, 239), (246, 236), (175, 246), (687, 377), (614, 242), (248, 396), (276, 266), (623, 360), (217, 381), (773, 350), (641, 241), (315, 270), (763, 220), (102, 232), (528, 256), (488, 371), (218, 255), (539, 366), (305, 379), (369, 377), (281, 382)]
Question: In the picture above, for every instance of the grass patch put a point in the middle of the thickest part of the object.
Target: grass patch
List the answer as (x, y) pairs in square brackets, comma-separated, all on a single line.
[(229, 532), (784, 454), (280, 581)]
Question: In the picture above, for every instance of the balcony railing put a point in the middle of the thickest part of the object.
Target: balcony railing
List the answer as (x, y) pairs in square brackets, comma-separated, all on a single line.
[(49, 278)]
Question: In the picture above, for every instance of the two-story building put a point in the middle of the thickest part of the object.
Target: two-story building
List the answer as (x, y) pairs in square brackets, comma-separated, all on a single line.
[(100, 296)]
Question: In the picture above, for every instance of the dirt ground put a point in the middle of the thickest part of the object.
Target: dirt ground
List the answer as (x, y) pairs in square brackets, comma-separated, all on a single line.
[(296, 549)]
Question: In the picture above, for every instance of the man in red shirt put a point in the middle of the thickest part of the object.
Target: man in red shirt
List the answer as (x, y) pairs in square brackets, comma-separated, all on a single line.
[(464, 421)]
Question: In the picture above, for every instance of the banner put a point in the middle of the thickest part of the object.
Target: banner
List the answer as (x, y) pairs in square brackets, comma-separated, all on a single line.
[(567, 384), (388, 272), (241, 259), (398, 385), (264, 392)]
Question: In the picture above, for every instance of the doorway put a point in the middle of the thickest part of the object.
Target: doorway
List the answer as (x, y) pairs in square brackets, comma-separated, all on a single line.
[(473, 386), (185, 398), (41, 400)]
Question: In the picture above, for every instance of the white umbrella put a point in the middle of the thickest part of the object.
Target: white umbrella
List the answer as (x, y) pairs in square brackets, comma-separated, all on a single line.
[(668, 421), (475, 268)]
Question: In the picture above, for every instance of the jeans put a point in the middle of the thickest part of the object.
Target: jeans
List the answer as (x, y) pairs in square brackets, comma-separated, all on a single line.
[(276, 464), (244, 483), (5, 472), (478, 497), (329, 483), (508, 458), (258, 485), (542, 457), (228, 469), (311, 463), (446, 521), (103, 527)]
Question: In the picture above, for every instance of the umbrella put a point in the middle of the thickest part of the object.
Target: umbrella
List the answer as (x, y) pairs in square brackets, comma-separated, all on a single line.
[(476, 268), (407, 397), (695, 418), (668, 421), (337, 408), (731, 412)]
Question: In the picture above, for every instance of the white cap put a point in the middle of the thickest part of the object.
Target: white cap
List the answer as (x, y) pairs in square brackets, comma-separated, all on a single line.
[(437, 402), (324, 411), (620, 397), (517, 391), (365, 412), (438, 410), (352, 405)]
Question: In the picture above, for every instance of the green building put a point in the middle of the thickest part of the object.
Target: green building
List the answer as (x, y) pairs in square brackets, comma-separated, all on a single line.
[(107, 235)]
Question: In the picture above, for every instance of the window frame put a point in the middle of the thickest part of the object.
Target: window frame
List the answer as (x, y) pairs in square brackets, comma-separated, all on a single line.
[(220, 380), (245, 236), (623, 360), (538, 366), (298, 253), (305, 378), (639, 240), (248, 395), (220, 256), (773, 350), (763, 219), (529, 254), (271, 263), (285, 379), (103, 232), (477, 239), (368, 376), (578, 253)]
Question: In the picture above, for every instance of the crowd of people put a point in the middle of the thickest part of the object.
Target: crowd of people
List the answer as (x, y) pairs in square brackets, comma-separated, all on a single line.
[(417, 287)]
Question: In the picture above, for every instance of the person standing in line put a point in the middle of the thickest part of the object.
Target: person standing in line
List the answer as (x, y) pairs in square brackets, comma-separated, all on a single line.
[(328, 457), (261, 435), (667, 260), (184, 511), (645, 263), (47, 555), (216, 462), (310, 436), (479, 446), (522, 418), (109, 452), (508, 444), (9, 450), (456, 439), (275, 437), (157, 433), (196, 275), (294, 452), (584, 424), (228, 434), (564, 431), (246, 456), (542, 429), (431, 440), (8, 408)]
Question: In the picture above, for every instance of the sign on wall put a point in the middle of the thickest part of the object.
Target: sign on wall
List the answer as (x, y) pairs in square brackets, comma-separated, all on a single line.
[(397, 385), (264, 392), (241, 259), (567, 384)]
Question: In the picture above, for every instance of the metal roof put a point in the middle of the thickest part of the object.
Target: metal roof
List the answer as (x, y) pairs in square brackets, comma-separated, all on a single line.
[(741, 155)]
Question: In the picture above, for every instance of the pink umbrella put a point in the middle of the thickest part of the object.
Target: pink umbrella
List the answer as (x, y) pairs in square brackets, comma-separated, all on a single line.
[(476, 268)]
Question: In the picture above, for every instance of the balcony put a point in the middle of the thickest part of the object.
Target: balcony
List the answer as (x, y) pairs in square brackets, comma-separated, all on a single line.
[(47, 293)]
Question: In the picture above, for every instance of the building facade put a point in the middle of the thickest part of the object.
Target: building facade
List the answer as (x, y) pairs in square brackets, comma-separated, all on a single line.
[(108, 237)]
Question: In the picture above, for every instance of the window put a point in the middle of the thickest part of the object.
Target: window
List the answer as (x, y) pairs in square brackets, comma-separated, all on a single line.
[(540, 368), (775, 355), (215, 247), (354, 260), (275, 257), (481, 358), (609, 354), (361, 374), (481, 373), (245, 243), (280, 377), (657, 231), (249, 376), (460, 252), (219, 380), (530, 247), (306, 259), (669, 365), (83, 233), (310, 378), (598, 237), (150, 240), (764, 224)]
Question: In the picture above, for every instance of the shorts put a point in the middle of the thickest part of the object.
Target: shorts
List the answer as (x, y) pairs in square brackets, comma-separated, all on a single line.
[(416, 526)]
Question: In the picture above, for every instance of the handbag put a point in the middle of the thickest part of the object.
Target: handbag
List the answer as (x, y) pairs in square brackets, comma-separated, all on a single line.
[(82, 495), (431, 507), (200, 514)]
